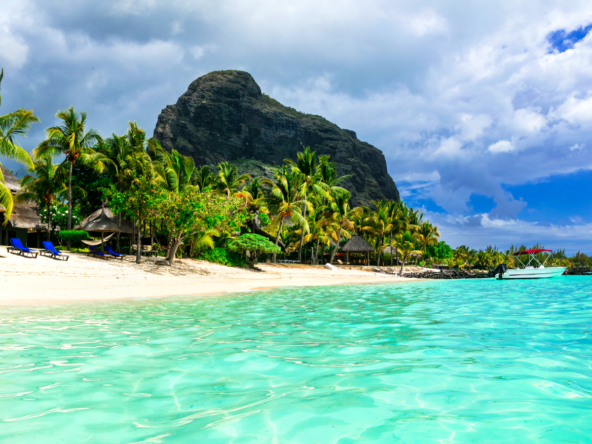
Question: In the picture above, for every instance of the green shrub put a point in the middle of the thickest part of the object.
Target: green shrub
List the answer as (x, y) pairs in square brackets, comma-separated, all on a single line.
[(422, 263), (224, 257), (73, 236)]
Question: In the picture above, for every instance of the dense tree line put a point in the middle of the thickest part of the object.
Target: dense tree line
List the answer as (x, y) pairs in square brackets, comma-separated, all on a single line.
[(195, 211)]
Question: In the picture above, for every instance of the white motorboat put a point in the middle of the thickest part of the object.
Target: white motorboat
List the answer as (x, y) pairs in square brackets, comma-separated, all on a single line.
[(533, 269)]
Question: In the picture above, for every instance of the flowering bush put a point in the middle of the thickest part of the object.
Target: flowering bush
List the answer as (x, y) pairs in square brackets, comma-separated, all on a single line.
[(59, 216)]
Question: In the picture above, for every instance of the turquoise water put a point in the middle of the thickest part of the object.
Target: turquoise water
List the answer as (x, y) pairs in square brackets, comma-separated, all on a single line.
[(444, 362)]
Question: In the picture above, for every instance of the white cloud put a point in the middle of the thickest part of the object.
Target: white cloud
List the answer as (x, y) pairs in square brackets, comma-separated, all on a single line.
[(14, 50), (482, 230), (427, 22), (502, 146), (443, 89)]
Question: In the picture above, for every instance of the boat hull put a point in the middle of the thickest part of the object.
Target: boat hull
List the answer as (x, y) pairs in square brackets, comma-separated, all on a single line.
[(533, 273)]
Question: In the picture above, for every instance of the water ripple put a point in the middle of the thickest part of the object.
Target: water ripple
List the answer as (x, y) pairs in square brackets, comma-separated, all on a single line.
[(450, 362)]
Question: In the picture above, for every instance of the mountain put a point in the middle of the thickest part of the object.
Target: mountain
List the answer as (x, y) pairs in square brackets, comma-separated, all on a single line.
[(224, 116)]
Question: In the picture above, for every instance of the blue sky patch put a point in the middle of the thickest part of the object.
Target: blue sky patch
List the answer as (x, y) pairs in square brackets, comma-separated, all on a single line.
[(561, 41)]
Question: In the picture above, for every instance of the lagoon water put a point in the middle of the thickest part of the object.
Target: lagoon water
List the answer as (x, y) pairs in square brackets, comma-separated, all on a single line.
[(447, 362)]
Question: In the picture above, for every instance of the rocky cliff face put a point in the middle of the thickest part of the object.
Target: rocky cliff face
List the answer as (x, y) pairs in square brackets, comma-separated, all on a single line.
[(223, 116)]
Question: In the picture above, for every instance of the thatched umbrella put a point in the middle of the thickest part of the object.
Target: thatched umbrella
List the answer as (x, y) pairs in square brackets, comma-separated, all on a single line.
[(357, 244), (104, 221)]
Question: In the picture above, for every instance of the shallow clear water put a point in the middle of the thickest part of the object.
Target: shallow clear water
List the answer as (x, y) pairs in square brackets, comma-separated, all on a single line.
[(464, 361)]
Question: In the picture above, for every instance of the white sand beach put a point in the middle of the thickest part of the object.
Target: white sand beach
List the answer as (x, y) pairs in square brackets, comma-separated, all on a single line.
[(45, 281)]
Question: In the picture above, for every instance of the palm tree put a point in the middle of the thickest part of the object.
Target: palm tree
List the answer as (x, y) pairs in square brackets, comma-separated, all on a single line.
[(306, 164), (228, 181), (74, 141), (44, 186), (427, 235), (405, 245), (379, 223), (204, 178), (285, 200), (175, 169), (340, 213), (13, 125), (328, 172)]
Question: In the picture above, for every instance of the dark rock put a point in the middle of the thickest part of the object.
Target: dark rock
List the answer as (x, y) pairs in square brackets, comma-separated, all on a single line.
[(448, 274), (223, 116), (578, 271)]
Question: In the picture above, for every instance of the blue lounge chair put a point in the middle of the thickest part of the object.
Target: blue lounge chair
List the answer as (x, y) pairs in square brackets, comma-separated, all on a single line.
[(50, 251), (20, 249), (110, 251), (92, 251)]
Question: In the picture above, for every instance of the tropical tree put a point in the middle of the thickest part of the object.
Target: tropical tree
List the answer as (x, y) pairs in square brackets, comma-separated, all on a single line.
[(13, 125), (44, 185), (252, 246), (204, 178), (191, 212), (75, 142), (285, 200), (427, 234), (307, 165), (379, 223), (229, 181), (138, 201), (175, 169), (340, 214), (405, 245)]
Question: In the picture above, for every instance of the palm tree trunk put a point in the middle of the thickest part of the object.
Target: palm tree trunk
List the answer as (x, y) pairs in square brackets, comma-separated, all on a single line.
[(277, 239), (316, 253), (151, 233), (302, 236), (379, 251), (118, 234), (139, 245), (48, 222), (336, 246), (69, 243), (402, 265), (390, 246)]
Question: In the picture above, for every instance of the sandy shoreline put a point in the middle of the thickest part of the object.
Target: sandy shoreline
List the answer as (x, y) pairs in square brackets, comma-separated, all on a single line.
[(45, 281)]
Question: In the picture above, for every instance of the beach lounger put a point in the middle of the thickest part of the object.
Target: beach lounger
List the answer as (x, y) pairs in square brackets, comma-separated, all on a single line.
[(50, 251), (110, 251), (20, 249), (93, 252)]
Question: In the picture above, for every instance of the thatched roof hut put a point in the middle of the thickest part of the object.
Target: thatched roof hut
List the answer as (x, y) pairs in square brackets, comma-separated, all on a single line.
[(10, 180), (357, 244), (24, 215), (103, 220)]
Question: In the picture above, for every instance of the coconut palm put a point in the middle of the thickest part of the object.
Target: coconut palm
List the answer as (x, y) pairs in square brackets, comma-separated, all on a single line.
[(328, 172), (204, 177), (44, 185), (285, 200), (13, 125), (427, 234), (405, 245), (307, 165), (175, 169), (340, 213), (75, 142), (378, 224), (228, 181)]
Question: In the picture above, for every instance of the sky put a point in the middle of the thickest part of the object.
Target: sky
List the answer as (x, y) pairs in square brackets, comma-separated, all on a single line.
[(482, 109)]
